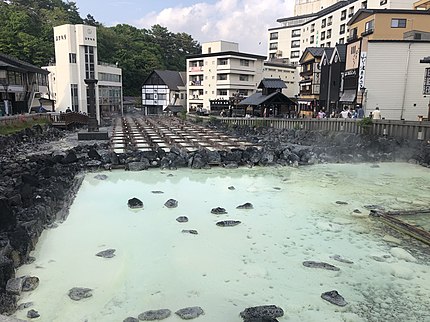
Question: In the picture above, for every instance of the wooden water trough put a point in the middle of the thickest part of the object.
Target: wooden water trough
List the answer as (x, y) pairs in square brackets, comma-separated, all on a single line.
[(389, 218)]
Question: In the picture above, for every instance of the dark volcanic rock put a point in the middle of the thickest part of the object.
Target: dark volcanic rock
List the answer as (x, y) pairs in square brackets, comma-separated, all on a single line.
[(182, 219), (157, 191), (100, 177), (32, 314), (218, 211), (30, 283), (7, 219), (261, 320), (231, 188), (334, 297), (14, 285), (246, 205), (228, 223), (341, 259), (108, 253), (135, 203), (153, 315), (322, 265), (79, 293), (130, 319), (341, 202), (263, 311), (190, 231), (189, 313), (171, 203)]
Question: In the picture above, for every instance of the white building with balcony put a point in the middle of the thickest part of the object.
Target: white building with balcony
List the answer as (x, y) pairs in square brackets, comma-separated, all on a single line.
[(76, 60), (221, 72), (325, 27)]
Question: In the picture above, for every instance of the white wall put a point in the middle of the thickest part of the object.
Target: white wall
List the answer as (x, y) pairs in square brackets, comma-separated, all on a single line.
[(394, 85)]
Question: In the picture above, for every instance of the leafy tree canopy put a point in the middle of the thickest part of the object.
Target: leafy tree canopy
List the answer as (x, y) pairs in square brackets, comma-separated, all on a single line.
[(27, 33)]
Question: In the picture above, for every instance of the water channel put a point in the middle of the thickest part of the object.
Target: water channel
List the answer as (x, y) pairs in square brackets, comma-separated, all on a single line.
[(295, 217)]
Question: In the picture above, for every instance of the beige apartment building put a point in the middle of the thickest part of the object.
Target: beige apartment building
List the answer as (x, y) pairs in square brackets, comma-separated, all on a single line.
[(383, 66), (219, 73), (76, 60), (280, 68)]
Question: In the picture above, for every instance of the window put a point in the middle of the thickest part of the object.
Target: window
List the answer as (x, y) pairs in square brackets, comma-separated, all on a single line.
[(222, 77), (313, 27), (328, 44), (353, 33), (209, 50), (243, 92), (244, 62), (343, 15), (398, 23), (341, 41), (312, 39), (222, 92), (295, 43), (364, 5), (329, 34), (295, 33), (72, 58), (342, 29), (323, 23), (351, 12), (329, 20), (274, 35), (273, 46), (323, 35), (89, 62), (149, 96), (369, 27), (382, 2), (295, 54), (223, 61), (74, 97), (243, 78)]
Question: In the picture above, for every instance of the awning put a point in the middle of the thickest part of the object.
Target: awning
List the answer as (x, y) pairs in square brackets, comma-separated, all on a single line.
[(348, 96)]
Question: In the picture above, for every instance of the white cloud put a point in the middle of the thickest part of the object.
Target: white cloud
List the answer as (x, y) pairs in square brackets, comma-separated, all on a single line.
[(242, 21)]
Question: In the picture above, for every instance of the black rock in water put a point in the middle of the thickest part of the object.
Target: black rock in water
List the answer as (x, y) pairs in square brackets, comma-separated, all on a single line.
[(218, 211), (341, 259), (153, 315), (25, 305), (100, 177), (228, 223), (190, 231), (79, 293), (334, 298), (341, 202), (135, 203), (189, 313), (157, 192), (231, 188), (182, 219), (246, 205), (262, 312), (261, 320), (30, 283), (322, 265), (130, 319), (171, 203), (32, 314), (108, 253)]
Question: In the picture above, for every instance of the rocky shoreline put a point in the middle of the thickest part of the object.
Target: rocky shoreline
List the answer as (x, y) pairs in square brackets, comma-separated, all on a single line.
[(37, 184)]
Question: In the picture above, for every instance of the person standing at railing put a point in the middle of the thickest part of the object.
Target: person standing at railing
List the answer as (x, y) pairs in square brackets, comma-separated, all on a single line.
[(376, 114)]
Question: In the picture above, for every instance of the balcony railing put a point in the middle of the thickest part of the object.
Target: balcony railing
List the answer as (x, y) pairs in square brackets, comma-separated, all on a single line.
[(367, 32), (352, 38), (196, 83), (195, 69)]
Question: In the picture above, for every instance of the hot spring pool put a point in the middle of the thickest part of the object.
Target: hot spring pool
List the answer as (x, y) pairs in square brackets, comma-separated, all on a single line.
[(226, 269)]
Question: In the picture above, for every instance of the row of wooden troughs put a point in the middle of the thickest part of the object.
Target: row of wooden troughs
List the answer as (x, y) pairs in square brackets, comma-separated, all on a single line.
[(152, 133)]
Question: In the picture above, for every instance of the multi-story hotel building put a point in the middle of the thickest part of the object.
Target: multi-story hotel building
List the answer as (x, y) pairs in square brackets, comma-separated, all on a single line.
[(219, 73), (76, 60), (323, 28)]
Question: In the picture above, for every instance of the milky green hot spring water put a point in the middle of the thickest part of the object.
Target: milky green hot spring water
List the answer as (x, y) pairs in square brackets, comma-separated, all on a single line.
[(226, 269)]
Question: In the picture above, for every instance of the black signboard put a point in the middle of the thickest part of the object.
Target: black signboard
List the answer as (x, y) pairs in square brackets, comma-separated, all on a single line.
[(426, 88)]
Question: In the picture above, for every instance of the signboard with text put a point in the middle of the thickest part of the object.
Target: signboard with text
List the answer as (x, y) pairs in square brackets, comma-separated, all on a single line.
[(426, 87)]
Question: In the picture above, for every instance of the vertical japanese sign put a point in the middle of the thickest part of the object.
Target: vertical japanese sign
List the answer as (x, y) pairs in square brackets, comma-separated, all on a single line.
[(362, 70), (426, 87)]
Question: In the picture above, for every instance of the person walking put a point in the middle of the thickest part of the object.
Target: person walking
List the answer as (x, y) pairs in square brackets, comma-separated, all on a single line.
[(376, 114)]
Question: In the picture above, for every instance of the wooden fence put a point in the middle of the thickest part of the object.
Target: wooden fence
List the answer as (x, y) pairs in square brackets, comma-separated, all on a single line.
[(16, 119), (415, 130)]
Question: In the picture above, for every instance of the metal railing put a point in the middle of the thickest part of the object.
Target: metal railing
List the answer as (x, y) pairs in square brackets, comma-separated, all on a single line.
[(414, 130)]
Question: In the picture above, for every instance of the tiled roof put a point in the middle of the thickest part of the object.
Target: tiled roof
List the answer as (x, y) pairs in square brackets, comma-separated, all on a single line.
[(171, 78), (17, 64), (272, 83)]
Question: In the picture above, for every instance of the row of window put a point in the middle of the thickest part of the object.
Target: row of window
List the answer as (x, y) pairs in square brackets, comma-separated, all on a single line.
[(220, 92), (107, 77), (222, 62), (17, 78)]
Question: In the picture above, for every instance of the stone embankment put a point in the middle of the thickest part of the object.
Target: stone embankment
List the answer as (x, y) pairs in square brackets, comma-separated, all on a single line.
[(38, 185)]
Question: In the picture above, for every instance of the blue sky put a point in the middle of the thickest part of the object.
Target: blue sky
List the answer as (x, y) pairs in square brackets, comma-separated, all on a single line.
[(242, 21)]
